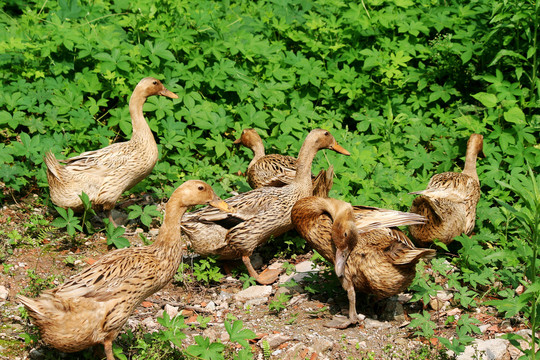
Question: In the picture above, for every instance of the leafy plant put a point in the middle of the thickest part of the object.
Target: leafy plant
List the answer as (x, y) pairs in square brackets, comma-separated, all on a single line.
[(145, 214), (114, 235), (206, 270), (279, 303), (67, 220), (247, 280)]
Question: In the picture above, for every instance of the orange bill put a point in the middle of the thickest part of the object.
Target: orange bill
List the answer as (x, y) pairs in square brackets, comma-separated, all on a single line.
[(220, 204), (169, 94), (338, 148)]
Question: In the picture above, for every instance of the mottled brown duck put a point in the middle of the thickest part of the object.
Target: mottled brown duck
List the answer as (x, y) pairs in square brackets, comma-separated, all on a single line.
[(106, 173), (91, 307), (258, 214), (276, 169), (369, 255), (449, 202)]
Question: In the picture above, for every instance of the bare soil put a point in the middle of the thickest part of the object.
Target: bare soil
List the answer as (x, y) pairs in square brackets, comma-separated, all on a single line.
[(297, 332)]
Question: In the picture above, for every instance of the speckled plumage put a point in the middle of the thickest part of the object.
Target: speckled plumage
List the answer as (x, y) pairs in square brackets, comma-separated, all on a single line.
[(92, 306), (369, 255), (106, 173), (276, 169), (449, 201), (259, 213)]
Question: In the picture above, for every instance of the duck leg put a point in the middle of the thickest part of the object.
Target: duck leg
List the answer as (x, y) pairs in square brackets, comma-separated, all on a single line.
[(109, 213), (267, 277), (341, 322), (107, 344)]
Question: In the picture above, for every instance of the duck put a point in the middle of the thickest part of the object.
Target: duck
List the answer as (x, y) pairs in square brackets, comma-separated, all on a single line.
[(449, 201), (276, 169), (258, 214), (91, 307), (369, 254), (106, 173)]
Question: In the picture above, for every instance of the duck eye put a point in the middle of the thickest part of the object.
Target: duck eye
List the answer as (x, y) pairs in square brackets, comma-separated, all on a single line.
[(154, 82), (201, 188), (326, 133)]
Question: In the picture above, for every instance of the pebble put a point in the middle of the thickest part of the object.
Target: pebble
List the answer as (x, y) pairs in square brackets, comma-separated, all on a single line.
[(253, 292), (171, 310), (274, 340), (492, 349), (255, 302), (3, 292), (374, 324), (211, 306), (322, 345)]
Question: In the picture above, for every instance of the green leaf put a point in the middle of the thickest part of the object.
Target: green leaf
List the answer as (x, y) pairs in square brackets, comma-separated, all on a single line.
[(488, 100), (515, 115)]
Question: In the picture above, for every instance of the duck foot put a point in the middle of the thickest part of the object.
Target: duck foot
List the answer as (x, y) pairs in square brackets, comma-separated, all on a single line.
[(267, 277), (339, 322)]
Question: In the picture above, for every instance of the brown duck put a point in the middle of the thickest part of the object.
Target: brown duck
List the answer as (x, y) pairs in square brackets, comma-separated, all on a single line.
[(449, 202), (275, 169), (368, 254), (92, 307), (259, 213), (106, 173)]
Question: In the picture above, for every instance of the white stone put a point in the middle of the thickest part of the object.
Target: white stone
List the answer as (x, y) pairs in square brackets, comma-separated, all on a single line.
[(492, 349), (374, 324), (253, 292), (211, 306), (3, 292), (171, 310), (322, 345), (274, 340), (302, 270), (255, 302)]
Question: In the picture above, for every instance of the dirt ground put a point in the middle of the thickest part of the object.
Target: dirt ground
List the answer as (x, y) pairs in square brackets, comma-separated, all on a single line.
[(296, 332)]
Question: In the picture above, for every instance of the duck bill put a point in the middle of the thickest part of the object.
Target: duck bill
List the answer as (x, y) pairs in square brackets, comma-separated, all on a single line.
[(338, 148), (220, 204), (168, 94), (237, 141), (340, 261)]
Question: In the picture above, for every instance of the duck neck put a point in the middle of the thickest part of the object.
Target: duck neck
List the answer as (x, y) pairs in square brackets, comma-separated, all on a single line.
[(470, 163), (138, 122), (258, 152), (303, 165), (169, 241)]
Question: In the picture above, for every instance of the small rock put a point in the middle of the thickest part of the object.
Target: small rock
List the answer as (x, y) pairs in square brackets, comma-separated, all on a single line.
[(444, 295), (274, 340), (253, 292), (506, 325), (453, 312), (322, 345), (3, 292), (150, 324), (171, 310), (36, 354), (211, 306), (483, 328), (153, 232), (255, 302), (256, 260), (436, 304), (212, 334), (403, 298), (374, 324), (493, 349)]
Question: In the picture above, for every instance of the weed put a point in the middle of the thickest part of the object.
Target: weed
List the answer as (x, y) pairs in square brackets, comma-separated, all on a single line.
[(114, 235), (145, 214), (206, 270), (279, 303)]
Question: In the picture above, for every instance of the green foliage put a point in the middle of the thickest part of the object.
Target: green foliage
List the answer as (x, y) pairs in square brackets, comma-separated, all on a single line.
[(206, 270), (67, 220), (114, 235), (279, 303), (37, 283), (247, 280), (145, 214)]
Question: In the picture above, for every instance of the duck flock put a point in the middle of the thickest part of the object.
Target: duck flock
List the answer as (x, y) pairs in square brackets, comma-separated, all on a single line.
[(370, 254)]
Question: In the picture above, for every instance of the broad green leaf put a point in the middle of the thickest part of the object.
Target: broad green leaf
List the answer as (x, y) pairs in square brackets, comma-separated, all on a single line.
[(488, 100)]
